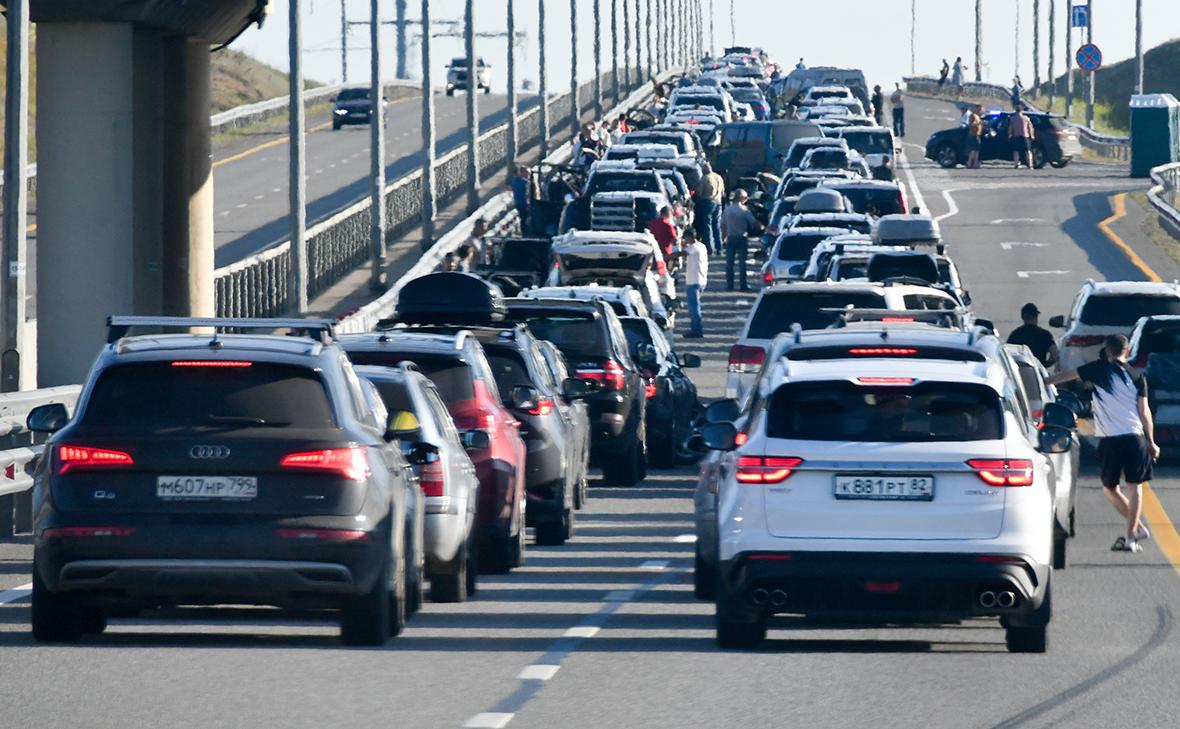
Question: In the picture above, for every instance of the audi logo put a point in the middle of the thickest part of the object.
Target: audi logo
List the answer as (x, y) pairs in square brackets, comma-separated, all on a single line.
[(208, 451)]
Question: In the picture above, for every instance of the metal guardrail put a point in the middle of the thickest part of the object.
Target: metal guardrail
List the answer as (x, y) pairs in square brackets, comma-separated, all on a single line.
[(1164, 197), (20, 449), (1110, 147), (257, 286)]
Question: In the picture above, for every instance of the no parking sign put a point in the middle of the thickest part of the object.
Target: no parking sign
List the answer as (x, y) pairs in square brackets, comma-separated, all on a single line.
[(1089, 57)]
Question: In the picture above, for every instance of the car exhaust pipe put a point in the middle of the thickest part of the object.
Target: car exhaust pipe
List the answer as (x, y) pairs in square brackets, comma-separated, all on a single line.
[(759, 596), (1005, 599), (778, 598), (987, 599)]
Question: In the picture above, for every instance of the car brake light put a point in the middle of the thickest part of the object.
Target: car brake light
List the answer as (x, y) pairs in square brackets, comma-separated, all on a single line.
[(324, 535), (349, 462), (767, 277), (86, 532), (760, 469), (76, 458), (882, 351), (213, 363), (650, 389), (1084, 340), (745, 359), (772, 231), (430, 479), (1003, 472), (885, 380), (611, 375), (896, 319), (544, 407)]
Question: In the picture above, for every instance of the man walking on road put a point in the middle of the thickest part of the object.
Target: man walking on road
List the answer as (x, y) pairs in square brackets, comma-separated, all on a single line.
[(957, 76), (897, 101), (1123, 424), (696, 278), (878, 102), (1020, 136), (974, 136), (1038, 339), (739, 224), (710, 195)]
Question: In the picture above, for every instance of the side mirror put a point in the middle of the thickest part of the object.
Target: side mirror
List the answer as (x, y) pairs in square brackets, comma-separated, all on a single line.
[(574, 389), (421, 453), (1057, 415), (690, 361), (476, 440), (1070, 401), (524, 397), (723, 411), (1053, 440), (719, 436), (967, 298), (1057, 322), (47, 418), (696, 443), (986, 324), (646, 354)]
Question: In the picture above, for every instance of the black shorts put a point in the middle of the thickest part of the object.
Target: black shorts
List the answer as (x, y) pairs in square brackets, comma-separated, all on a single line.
[(1124, 456), (972, 143)]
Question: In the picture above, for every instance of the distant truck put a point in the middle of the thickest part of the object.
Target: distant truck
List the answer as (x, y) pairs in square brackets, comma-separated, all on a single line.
[(457, 76)]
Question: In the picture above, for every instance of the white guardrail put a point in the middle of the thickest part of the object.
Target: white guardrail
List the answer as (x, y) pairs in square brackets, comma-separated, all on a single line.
[(1165, 195), (21, 450), (1101, 144)]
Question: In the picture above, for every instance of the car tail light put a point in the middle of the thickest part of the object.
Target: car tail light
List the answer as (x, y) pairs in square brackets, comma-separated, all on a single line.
[(772, 231), (89, 532), (1003, 472), (650, 389), (767, 277), (77, 458), (213, 363), (544, 407), (662, 268), (1084, 340), (905, 203), (349, 462), (611, 375), (324, 535), (885, 380), (882, 351), (764, 469), (896, 319), (430, 479), (745, 359)]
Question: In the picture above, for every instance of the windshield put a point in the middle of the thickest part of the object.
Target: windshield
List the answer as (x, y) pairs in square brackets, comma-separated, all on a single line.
[(875, 201), (1125, 310), (869, 142), (452, 377), (798, 247), (353, 94), (713, 102), (777, 312), (623, 182), (163, 397), (924, 412)]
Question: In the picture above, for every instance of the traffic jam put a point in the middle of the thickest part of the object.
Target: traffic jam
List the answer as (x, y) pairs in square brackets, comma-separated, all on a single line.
[(880, 452)]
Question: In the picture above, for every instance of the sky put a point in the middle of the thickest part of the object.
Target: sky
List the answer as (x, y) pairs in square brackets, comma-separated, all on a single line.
[(873, 35)]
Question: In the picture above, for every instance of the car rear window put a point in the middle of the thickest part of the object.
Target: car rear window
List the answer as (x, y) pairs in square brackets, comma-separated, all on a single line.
[(161, 395), (799, 185), (873, 201), (508, 369), (799, 247), (637, 333), (777, 312), (452, 376), (624, 182), (1125, 310), (869, 142), (1160, 340), (353, 94), (577, 337), (856, 226), (713, 102), (828, 159), (925, 412)]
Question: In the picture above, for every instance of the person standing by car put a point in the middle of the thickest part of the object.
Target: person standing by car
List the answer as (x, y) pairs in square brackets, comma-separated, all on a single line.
[(878, 102), (519, 182), (1020, 136), (476, 242), (1123, 424), (710, 195), (1038, 339), (739, 224), (696, 279), (974, 136), (897, 102), (664, 232)]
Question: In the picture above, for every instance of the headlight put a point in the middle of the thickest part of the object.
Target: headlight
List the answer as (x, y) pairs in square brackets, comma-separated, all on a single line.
[(341, 112)]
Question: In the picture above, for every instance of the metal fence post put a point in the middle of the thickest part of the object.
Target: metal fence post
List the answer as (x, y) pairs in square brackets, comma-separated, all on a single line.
[(1052, 50), (614, 49), (651, 69), (1068, 57), (598, 59), (979, 40), (16, 159), (473, 185), (575, 112), (638, 43), (296, 183), (627, 44), (513, 130), (429, 182), (541, 86), (377, 145)]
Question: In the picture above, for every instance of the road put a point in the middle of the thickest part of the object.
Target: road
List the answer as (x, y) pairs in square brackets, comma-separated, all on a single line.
[(605, 632), (250, 178)]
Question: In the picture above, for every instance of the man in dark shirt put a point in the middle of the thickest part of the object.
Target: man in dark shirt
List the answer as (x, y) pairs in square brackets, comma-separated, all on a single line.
[(1037, 339)]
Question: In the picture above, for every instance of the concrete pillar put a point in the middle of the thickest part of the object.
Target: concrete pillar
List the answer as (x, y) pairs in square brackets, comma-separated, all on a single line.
[(148, 174)]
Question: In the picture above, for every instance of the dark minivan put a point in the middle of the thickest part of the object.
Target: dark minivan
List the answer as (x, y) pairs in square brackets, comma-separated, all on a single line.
[(748, 148)]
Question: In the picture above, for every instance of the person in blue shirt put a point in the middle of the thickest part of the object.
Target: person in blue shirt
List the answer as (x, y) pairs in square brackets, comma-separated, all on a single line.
[(519, 182)]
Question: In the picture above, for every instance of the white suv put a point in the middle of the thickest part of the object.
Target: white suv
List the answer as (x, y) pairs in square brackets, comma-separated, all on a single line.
[(1109, 307), (883, 485)]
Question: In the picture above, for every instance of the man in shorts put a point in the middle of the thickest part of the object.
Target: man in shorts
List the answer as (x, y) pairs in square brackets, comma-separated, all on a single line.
[(974, 136), (1123, 424)]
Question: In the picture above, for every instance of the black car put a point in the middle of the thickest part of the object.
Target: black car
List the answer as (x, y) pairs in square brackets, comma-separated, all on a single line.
[(672, 403), (576, 215), (1054, 142), (210, 469), (590, 336), (352, 106), (520, 263)]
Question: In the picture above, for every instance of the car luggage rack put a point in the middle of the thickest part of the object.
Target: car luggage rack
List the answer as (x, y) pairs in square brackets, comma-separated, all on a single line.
[(119, 326), (948, 318)]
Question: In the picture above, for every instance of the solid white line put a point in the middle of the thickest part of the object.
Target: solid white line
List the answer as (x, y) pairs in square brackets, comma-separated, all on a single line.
[(16, 593), (259, 197), (915, 191), (953, 209), (581, 631), (319, 171), (538, 672), (654, 564), (685, 539), (488, 720), (276, 189), (1026, 274), (1010, 244)]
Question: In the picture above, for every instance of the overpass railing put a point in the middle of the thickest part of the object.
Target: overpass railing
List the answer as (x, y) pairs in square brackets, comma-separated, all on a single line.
[(20, 449), (1164, 197)]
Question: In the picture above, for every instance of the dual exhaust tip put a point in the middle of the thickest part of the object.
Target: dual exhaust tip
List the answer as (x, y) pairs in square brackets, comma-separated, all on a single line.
[(1002, 599), (776, 598)]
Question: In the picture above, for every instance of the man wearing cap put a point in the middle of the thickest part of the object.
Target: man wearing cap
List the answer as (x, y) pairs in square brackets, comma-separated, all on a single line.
[(1036, 338)]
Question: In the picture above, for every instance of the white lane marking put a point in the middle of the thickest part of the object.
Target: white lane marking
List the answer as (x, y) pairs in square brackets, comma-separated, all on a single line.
[(911, 182), (620, 596), (259, 197), (537, 672), (1026, 274), (685, 539), (319, 171), (488, 720), (1001, 221), (16, 593), (276, 189), (1010, 244), (654, 564), (581, 631), (223, 213), (952, 208), (241, 205), (332, 166)]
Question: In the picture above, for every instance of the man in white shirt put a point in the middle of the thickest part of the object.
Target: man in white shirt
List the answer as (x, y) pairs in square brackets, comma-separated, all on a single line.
[(696, 278)]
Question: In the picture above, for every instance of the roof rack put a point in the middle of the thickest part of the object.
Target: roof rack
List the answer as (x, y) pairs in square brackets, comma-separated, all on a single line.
[(118, 326), (952, 318)]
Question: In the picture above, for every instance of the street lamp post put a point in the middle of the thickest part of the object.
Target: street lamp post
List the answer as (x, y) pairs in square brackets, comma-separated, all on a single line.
[(429, 180), (296, 182), (473, 184), (377, 150)]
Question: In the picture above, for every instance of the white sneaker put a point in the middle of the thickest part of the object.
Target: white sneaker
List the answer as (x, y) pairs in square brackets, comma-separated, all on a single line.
[(1132, 545), (1141, 533)]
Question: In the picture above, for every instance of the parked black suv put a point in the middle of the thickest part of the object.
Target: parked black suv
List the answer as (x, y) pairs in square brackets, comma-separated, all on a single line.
[(672, 404), (207, 469), (590, 336), (1054, 142)]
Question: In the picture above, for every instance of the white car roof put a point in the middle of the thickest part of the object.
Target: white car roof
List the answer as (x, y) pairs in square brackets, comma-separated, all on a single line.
[(606, 236), (983, 373), (648, 149), (1157, 288), (583, 291)]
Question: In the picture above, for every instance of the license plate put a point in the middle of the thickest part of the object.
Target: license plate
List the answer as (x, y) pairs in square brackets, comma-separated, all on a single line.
[(206, 488), (885, 488)]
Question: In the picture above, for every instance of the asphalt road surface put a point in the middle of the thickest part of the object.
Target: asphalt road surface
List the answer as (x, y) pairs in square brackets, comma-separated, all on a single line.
[(604, 632)]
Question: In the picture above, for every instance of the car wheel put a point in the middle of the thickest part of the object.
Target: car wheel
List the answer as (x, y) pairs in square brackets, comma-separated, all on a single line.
[(451, 586), (472, 568), (1059, 548), (1073, 522), (736, 633), (335, 125), (554, 533), (450, 92), (369, 619), (947, 156), (1039, 158), (622, 469), (416, 591), (704, 579), (579, 499), (56, 617), (498, 555), (1030, 633), (1058, 163), (518, 542), (661, 453)]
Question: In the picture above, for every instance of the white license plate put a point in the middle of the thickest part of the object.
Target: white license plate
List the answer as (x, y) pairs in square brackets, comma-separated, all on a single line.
[(885, 488), (206, 488)]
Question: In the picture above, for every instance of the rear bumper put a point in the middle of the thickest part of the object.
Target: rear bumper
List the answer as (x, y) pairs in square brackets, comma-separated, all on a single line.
[(497, 497), (610, 415), (894, 587)]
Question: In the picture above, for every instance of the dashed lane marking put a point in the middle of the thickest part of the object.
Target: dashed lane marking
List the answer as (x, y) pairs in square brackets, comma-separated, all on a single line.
[(488, 720), (266, 145), (537, 672), (654, 564), (1001, 221), (685, 539), (1027, 274), (1010, 244)]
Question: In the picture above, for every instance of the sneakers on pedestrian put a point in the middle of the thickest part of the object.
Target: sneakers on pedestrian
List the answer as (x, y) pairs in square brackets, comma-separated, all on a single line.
[(1142, 533), (1122, 544)]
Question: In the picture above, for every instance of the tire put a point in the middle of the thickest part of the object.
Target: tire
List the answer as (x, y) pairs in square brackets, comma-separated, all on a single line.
[(1058, 163), (739, 634), (472, 566), (554, 533), (661, 451), (1038, 157), (1060, 540), (1030, 634), (517, 556), (497, 556), (623, 468), (93, 621), (579, 495), (451, 586), (416, 591), (369, 619), (335, 125), (450, 92), (1073, 522), (704, 579), (56, 618), (947, 157)]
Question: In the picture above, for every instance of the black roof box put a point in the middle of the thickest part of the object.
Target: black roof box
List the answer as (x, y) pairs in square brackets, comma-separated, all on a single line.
[(450, 298), (902, 264)]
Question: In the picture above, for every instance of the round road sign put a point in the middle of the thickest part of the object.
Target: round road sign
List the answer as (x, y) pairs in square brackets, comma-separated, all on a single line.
[(1089, 57)]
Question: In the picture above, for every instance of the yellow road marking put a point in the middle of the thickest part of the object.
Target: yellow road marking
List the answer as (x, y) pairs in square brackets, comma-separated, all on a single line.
[(1163, 531), (266, 145)]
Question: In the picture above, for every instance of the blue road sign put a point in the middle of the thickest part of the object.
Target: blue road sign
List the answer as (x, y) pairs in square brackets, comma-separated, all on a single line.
[(1089, 57), (1079, 16)]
